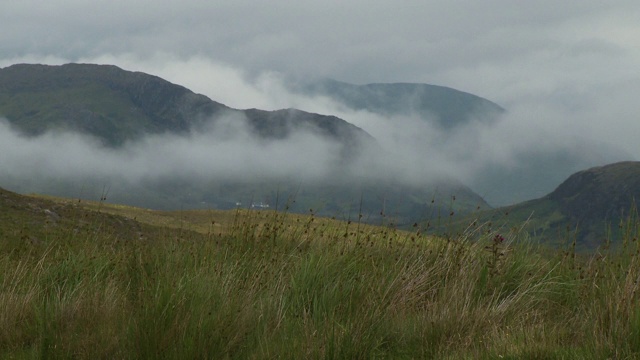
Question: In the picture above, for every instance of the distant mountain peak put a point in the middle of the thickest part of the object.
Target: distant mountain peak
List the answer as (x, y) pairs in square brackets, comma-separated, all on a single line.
[(444, 106)]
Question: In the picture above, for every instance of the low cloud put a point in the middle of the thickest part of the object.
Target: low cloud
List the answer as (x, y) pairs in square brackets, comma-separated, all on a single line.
[(224, 151), (568, 129)]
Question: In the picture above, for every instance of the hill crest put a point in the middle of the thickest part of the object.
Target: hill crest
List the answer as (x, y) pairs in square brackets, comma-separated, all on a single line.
[(117, 105), (603, 192), (589, 206), (444, 106)]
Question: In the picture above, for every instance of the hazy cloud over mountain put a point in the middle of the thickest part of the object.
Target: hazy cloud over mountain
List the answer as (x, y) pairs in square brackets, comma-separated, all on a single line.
[(568, 73), (226, 150)]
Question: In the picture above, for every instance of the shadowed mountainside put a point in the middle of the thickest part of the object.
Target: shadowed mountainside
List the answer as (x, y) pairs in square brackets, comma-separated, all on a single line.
[(591, 206), (605, 192)]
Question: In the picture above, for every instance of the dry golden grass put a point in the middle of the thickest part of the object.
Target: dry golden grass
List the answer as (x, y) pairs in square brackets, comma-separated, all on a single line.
[(221, 222)]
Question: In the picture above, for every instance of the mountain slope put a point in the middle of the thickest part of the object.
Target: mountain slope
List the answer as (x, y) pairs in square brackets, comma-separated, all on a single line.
[(116, 106), (606, 192), (589, 205), (102, 100)]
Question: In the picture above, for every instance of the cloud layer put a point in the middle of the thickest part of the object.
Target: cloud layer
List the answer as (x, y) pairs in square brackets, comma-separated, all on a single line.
[(225, 151)]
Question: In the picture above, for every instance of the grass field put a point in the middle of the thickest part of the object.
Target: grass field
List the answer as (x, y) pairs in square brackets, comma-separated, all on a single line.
[(92, 280)]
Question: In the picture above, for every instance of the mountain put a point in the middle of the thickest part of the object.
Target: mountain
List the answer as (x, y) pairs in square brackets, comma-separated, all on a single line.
[(589, 205), (444, 106), (116, 106), (121, 108), (101, 100)]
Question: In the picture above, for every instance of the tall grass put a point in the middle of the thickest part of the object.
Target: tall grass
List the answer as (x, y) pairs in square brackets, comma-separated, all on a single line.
[(277, 289)]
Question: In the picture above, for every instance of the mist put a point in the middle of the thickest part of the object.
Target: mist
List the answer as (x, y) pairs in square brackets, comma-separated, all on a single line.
[(225, 150), (523, 154), (550, 129)]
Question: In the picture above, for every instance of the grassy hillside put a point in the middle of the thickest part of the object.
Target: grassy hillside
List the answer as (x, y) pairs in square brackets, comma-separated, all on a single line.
[(272, 285), (591, 207)]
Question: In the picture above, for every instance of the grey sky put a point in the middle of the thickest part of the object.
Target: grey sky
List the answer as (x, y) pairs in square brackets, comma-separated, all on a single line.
[(568, 72), (356, 41), (498, 49)]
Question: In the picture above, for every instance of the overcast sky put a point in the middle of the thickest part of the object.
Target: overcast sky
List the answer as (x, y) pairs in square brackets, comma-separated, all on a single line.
[(567, 71), (498, 48)]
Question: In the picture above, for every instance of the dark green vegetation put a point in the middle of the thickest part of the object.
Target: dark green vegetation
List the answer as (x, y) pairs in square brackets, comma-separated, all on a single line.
[(77, 282), (444, 106), (590, 207), (103, 101)]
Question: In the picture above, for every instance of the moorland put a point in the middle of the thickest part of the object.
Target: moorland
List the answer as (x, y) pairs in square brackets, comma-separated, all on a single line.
[(92, 279)]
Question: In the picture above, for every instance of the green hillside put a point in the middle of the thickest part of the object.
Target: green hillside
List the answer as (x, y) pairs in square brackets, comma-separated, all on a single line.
[(591, 207)]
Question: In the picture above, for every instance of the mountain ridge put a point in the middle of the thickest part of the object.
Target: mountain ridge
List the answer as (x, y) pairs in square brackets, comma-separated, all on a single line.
[(444, 106), (590, 207), (116, 105), (606, 192)]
